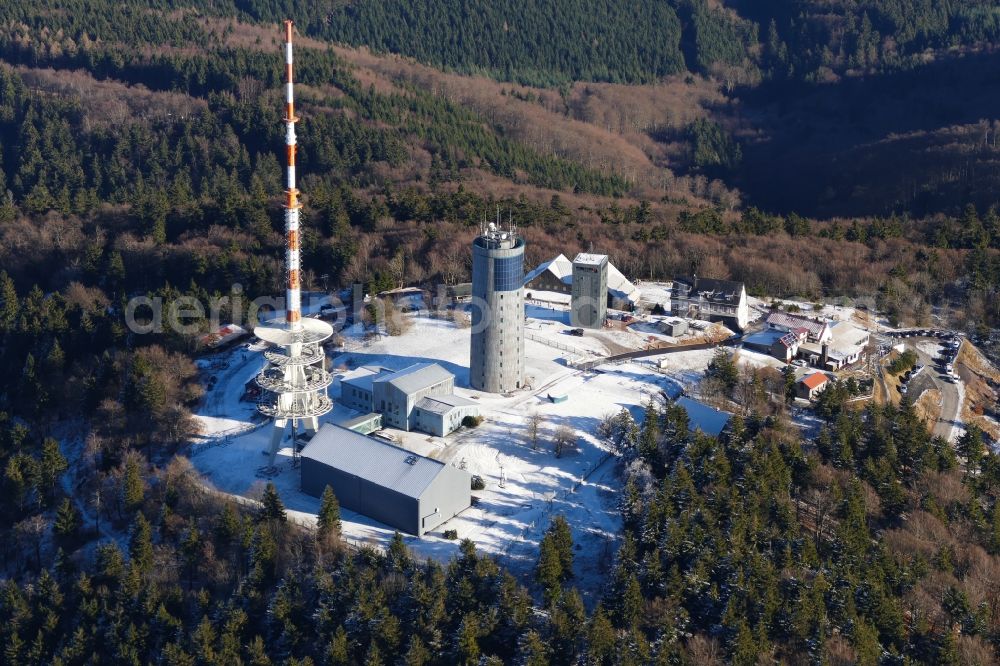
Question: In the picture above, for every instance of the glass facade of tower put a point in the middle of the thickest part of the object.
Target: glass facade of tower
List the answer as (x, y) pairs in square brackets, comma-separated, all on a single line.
[(508, 273)]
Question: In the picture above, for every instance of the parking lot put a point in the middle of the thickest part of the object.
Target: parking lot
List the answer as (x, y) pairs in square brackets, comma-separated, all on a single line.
[(934, 370)]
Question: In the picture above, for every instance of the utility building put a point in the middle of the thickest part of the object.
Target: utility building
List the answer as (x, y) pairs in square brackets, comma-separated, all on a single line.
[(497, 351), (404, 490), (417, 397), (397, 393), (589, 303), (442, 414)]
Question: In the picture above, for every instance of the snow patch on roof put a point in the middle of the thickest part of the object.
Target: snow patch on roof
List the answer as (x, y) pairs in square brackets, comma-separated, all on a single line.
[(709, 420), (378, 462), (561, 267)]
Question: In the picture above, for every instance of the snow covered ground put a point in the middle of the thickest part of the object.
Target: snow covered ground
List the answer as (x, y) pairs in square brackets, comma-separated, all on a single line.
[(510, 517)]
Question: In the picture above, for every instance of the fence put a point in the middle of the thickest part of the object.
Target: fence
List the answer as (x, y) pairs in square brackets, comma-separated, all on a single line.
[(553, 343), (552, 496), (225, 437), (644, 353)]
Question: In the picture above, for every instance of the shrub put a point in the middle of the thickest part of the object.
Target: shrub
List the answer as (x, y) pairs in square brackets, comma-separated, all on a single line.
[(903, 362), (478, 483), (451, 535), (471, 421)]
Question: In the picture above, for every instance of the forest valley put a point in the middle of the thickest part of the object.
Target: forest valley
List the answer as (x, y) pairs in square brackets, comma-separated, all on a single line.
[(139, 155)]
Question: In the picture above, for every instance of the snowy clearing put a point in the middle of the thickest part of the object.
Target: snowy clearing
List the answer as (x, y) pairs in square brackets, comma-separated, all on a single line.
[(524, 486)]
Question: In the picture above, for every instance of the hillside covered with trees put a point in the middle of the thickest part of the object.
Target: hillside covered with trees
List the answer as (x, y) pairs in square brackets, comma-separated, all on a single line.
[(139, 155)]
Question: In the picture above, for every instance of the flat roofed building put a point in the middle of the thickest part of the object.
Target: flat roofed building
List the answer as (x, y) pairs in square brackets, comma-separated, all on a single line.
[(711, 300), (589, 303), (410, 492), (364, 424), (442, 414), (673, 327), (396, 394)]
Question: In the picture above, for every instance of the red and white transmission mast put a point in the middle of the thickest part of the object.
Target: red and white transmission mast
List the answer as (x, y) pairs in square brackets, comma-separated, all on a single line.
[(295, 380)]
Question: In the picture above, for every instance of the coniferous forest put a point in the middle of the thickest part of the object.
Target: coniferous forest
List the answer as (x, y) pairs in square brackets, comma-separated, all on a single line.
[(139, 155)]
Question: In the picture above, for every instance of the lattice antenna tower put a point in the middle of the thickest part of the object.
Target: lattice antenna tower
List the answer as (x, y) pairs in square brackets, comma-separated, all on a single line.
[(294, 383)]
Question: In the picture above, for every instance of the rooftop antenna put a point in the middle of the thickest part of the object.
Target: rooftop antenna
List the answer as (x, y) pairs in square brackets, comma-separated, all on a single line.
[(295, 380)]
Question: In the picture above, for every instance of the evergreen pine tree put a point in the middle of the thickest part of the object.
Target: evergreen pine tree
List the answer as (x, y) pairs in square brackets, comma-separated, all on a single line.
[(140, 546), (373, 657), (133, 489), (947, 650), (600, 637), (994, 537), (53, 465), (272, 507), (338, 652), (228, 526), (417, 653), (9, 304), (970, 445), (632, 602), (328, 520), (467, 641), (398, 555), (191, 549), (548, 571), (257, 652), (531, 651), (650, 434), (67, 519), (562, 536), (744, 648)]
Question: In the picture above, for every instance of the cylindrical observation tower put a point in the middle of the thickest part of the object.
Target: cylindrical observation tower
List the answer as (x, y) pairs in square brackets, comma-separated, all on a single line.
[(497, 354)]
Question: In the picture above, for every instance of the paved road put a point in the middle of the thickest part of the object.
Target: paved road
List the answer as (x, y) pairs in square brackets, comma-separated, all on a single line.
[(931, 378)]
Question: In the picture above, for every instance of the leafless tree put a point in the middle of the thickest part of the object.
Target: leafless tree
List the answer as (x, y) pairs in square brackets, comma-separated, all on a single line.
[(564, 440), (534, 426), (31, 531)]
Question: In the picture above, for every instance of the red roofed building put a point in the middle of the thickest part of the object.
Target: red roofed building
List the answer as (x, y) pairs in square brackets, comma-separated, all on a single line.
[(811, 385)]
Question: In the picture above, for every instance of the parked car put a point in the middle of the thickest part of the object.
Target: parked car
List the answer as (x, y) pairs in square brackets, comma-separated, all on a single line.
[(578, 332)]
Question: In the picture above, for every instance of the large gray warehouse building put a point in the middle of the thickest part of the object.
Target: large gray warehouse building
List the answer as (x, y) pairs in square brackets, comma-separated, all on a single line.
[(392, 485), (497, 351)]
